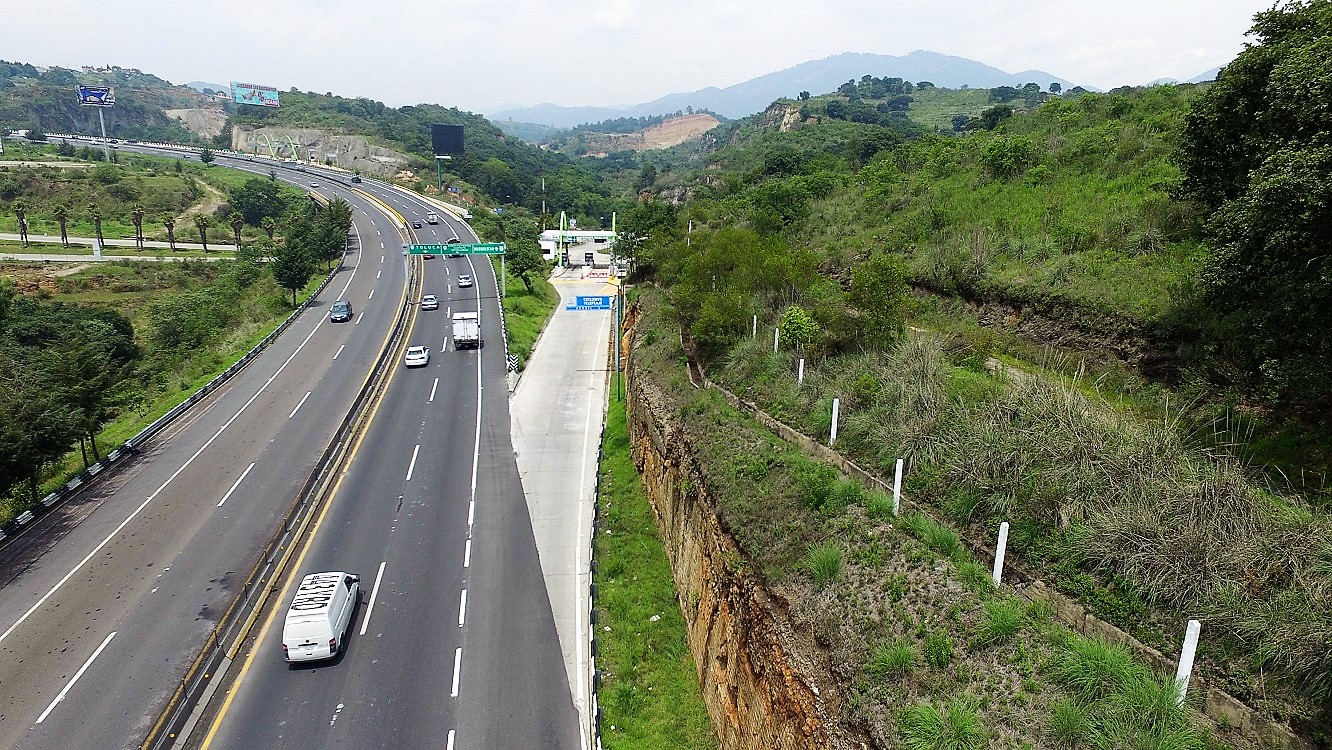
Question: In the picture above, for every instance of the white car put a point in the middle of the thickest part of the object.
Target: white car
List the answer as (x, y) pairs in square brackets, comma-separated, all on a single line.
[(430, 302), (464, 281), (417, 356), (314, 183)]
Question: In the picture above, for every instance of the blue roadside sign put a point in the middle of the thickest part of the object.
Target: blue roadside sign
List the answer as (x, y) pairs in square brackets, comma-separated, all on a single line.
[(590, 302)]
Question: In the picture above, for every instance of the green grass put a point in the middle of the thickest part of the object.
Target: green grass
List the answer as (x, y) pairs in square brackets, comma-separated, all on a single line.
[(650, 695), (526, 312), (823, 563), (955, 726), (892, 660)]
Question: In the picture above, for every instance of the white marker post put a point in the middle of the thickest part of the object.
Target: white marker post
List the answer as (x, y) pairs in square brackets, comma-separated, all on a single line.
[(753, 333), (1185, 671), (837, 403), (800, 373), (775, 333), (999, 550), (897, 489)]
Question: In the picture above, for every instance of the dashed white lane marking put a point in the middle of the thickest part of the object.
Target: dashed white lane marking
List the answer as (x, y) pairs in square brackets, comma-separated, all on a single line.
[(462, 609), (372, 294), (412, 466), (449, 746), (374, 594), (471, 513), (467, 555), (339, 351), (237, 484), (378, 273), (431, 400), (358, 318), (302, 403), (457, 670), (98, 652)]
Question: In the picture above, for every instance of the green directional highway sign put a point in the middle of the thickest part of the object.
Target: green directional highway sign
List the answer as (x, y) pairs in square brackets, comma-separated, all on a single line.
[(459, 248)]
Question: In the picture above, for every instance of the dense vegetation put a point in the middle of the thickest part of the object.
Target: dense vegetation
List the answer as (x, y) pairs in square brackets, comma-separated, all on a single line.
[(1152, 265)]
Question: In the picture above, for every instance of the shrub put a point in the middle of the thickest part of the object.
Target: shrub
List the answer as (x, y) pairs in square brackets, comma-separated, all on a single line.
[(823, 562), (817, 481), (954, 727)]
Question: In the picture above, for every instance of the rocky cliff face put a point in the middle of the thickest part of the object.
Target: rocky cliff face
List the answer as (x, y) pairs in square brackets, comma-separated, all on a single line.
[(765, 684), (782, 116), (352, 152)]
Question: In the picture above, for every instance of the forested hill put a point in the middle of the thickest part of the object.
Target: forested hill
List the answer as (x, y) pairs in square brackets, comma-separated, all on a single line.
[(505, 167), (46, 100)]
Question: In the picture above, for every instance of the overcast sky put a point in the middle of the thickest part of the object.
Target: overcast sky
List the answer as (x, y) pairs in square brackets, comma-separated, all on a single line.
[(485, 55)]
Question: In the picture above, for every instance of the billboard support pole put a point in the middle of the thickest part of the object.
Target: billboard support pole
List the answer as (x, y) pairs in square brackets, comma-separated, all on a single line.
[(106, 149)]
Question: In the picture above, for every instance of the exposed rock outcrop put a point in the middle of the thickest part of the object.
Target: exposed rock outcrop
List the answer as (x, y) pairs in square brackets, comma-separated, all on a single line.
[(352, 152)]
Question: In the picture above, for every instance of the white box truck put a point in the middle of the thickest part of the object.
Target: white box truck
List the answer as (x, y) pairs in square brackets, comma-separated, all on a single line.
[(466, 330), (432, 217)]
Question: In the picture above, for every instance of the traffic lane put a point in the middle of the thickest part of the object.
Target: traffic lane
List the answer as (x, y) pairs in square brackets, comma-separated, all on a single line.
[(515, 692), (416, 527), (29, 681)]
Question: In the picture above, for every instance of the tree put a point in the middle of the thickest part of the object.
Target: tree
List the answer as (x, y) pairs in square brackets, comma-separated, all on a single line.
[(523, 256), (804, 96), (202, 222), (237, 224), (292, 268), (206, 155), (991, 117), (169, 222), (136, 215), (879, 293), (95, 212), (269, 225), (61, 213), (257, 199), (20, 212), (797, 329), (1055, 88)]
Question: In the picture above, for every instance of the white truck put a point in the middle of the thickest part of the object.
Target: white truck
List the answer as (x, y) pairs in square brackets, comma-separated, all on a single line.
[(466, 330)]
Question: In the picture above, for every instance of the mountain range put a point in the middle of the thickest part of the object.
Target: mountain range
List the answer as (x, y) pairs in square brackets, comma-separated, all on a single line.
[(815, 76)]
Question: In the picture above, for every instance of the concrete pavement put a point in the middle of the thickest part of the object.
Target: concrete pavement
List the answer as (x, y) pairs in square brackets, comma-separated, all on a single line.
[(557, 413)]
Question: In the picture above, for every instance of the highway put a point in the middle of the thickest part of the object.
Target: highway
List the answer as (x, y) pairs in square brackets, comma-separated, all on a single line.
[(460, 647)]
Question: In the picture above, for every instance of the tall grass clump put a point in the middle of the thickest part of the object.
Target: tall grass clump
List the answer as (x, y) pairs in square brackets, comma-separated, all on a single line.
[(892, 659), (933, 534), (823, 563), (955, 726), (1003, 619)]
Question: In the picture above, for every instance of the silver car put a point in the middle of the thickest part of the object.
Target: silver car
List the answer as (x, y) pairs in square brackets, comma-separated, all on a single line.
[(417, 356), (429, 302)]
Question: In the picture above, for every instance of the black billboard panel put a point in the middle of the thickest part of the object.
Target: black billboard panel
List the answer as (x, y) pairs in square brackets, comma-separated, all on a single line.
[(447, 140)]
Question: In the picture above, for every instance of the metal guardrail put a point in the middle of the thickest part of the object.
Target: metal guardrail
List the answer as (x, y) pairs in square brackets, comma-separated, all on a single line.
[(233, 625), (15, 528)]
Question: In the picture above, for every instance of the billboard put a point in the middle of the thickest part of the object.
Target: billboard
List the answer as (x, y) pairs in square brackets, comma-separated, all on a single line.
[(248, 93), (447, 140), (97, 96)]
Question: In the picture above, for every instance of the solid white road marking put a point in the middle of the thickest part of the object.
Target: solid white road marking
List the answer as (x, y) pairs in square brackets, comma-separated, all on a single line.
[(98, 652), (462, 609), (162, 487), (357, 232), (335, 356), (412, 466), (467, 555), (431, 400), (457, 670), (237, 484), (302, 403), (374, 592)]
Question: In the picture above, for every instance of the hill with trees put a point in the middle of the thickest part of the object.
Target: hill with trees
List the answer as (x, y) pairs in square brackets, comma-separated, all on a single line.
[(47, 100)]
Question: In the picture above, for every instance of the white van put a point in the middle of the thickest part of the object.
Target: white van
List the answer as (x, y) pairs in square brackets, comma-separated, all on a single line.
[(320, 616), (432, 217)]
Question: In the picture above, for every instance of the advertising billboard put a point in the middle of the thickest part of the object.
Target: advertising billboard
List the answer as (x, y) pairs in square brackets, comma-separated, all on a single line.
[(447, 140), (97, 96), (248, 93)]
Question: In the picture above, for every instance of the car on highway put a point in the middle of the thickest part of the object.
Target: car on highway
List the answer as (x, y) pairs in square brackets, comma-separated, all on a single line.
[(314, 184), (416, 223), (454, 241), (320, 616), (356, 179), (417, 356), (340, 312), (430, 302), (464, 281)]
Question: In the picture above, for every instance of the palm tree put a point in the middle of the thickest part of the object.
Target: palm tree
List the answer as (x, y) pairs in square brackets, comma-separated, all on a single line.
[(21, 211), (96, 213), (169, 222), (237, 224), (136, 215), (269, 225), (61, 214), (203, 222)]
